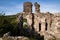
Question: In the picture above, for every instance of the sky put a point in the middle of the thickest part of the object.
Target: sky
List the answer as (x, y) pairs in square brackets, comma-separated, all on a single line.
[(12, 7)]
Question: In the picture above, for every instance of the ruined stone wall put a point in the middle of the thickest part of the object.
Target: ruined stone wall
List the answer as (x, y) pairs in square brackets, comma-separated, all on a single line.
[(34, 20), (37, 7), (54, 33), (27, 7), (43, 23)]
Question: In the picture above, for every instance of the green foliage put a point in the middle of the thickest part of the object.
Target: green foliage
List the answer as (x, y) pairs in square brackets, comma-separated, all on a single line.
[(7, 23), (25, 26), (24, 20), (2, 13), (25, 23)]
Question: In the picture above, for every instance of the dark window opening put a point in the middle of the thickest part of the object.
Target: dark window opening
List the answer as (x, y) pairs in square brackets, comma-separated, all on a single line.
[(39, 26), (46, 26)]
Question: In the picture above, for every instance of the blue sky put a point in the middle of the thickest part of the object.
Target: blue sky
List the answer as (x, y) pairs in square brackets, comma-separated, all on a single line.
[(11, 7)]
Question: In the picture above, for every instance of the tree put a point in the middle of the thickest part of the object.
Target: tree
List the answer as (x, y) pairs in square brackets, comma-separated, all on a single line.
[(2, 13)]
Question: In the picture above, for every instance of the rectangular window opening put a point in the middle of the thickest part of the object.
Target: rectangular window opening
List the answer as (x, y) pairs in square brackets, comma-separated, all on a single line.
[(39, 26), (46, 26)]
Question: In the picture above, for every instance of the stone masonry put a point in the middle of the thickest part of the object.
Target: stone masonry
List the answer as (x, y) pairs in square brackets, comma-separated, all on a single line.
[(27, 7), (45, 24), (37, 7)]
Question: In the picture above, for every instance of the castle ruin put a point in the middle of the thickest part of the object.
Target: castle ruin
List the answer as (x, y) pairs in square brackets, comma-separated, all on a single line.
[(45, 24)]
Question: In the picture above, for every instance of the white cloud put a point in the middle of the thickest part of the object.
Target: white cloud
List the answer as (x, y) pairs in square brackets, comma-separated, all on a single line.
[(10, 13)]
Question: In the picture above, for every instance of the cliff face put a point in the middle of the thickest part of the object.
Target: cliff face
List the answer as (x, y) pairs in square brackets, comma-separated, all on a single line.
[(45, 24)]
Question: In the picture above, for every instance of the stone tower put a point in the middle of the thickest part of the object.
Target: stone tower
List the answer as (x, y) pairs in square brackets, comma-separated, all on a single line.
[(37, 7), (27, 7)]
